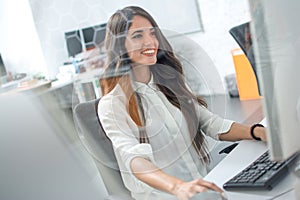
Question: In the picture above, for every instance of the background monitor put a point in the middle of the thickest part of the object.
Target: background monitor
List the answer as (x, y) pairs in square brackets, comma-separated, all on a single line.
[(276, 38), (88, 37), (94, 36), (99, 37), (74, 45), (3, 71)]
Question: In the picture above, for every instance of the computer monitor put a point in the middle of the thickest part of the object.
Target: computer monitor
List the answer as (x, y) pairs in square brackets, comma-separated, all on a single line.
[(88, 37), (73, 41), (3, 71), (99, 37), (276, 40), (94, 36)]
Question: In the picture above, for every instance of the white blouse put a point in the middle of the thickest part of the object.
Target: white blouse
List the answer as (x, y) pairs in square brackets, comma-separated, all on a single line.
[(169, 148)]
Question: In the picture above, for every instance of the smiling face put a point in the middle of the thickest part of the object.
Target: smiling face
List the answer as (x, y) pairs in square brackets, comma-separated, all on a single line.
[(141, 42)]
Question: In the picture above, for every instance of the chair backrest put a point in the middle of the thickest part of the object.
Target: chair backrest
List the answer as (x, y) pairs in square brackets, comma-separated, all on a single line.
[(242, 35), (93, 137)]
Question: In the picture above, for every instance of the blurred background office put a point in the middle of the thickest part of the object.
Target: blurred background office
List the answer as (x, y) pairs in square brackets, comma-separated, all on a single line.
[(34, 33)]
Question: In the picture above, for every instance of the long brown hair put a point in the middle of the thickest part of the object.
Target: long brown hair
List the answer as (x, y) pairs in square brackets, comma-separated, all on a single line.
[(167, 74)]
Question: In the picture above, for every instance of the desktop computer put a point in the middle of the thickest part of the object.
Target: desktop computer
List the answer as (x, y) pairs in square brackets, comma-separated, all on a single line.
[(276, 41), (275, 35)]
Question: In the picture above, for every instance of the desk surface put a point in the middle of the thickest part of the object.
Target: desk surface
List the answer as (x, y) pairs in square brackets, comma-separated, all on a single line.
[(245, 111), (236, 161)]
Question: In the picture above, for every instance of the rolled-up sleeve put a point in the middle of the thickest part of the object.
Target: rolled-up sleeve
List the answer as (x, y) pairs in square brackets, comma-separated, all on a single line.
[(212, 124), (122, 132)]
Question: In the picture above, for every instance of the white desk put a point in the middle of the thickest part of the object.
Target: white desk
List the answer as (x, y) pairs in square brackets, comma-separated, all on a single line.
[(245, 153)]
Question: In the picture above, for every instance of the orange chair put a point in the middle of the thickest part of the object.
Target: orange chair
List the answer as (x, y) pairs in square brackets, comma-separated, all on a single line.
[(245, 77)]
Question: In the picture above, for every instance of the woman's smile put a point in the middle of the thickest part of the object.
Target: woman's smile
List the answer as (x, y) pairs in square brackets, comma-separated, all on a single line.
[(149, 52)]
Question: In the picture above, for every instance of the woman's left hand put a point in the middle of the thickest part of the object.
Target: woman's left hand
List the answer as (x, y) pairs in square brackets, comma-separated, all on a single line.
[(261, 133)]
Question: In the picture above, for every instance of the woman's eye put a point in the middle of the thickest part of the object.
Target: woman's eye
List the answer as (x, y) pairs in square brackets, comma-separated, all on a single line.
[(153, 33), (137, 36)]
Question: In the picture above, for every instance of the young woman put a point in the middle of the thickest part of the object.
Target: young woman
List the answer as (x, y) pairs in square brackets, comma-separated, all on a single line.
[(158, 128)]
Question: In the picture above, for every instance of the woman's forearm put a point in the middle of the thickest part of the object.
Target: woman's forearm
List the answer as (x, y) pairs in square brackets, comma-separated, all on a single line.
[(148, 173), (242, 132)]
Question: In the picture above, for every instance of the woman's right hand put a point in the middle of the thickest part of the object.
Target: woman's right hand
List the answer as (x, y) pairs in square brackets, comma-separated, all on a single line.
[(185, 190)]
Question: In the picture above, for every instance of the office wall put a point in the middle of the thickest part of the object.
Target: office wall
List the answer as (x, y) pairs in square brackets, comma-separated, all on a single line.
[(19, 42), (54, 17), (218, 17)]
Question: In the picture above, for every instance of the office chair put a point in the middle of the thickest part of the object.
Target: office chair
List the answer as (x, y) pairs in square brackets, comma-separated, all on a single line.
[(93, 137), (242, 35)]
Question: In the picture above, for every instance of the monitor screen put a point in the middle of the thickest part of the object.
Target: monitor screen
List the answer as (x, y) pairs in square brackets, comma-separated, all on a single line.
[(88, 36), (73, 41), (3, 71), (99, 36), (94, 36), (277, 50)]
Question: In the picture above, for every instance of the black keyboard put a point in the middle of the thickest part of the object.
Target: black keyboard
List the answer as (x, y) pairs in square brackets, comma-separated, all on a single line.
[(262, 174)]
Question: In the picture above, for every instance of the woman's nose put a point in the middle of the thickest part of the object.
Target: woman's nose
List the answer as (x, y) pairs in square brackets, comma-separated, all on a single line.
[(149, 40)]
